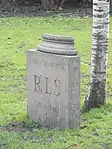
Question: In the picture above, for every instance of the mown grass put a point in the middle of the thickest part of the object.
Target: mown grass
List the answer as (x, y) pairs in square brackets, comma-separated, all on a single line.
[(19, 34)]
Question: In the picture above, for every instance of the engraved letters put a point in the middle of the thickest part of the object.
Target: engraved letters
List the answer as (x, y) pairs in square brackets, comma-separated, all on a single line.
[(37, 83), (57, 89), (44, 85), (48, 64), (46, 88)]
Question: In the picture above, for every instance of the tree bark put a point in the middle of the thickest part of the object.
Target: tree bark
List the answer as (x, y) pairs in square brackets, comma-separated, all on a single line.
[(5, 2), (47, 4), (51, 4), (7, 5), (99, 55)]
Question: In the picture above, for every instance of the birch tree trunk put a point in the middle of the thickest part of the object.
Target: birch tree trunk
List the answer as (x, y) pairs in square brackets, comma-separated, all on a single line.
[(99, 55)]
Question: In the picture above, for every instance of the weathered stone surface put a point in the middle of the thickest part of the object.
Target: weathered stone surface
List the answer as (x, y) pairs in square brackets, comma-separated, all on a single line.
[(53, 85), (56, 44)]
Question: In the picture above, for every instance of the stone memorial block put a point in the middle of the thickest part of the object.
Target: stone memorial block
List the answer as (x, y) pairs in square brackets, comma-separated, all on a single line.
[(53, 83)]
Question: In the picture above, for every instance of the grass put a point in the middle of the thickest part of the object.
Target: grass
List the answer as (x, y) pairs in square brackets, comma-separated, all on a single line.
[(19, 34)]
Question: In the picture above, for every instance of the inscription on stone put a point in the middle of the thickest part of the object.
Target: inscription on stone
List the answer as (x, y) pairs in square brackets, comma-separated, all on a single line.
[(50, 106), (50, 89), (43, 117), (47, 63)]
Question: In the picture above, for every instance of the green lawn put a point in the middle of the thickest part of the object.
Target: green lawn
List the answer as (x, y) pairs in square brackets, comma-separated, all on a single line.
[(16, 36)]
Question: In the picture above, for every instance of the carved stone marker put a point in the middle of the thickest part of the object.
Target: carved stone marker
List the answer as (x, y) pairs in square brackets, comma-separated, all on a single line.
[(53, 83)]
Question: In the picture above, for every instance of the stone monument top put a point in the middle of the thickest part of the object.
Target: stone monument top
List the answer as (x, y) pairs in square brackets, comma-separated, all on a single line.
[(56, 44)]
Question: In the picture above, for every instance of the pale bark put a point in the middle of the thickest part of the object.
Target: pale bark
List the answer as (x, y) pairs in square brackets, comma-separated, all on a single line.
[(99, 55)]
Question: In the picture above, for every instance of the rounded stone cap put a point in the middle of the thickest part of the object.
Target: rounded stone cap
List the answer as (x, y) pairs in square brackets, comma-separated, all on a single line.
[(56, 44), (58, 38)]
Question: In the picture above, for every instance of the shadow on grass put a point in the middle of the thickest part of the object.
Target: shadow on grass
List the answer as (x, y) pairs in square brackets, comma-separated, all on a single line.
[(20, 126)]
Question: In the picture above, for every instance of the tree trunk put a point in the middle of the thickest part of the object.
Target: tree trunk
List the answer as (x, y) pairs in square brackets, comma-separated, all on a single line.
[(5, 2), (51, 4), (111, 6), (47, 4), (7, 5), (99, 55)]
